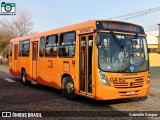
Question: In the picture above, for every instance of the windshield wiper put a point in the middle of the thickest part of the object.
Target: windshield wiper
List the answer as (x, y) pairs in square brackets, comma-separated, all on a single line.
[(116, 39)]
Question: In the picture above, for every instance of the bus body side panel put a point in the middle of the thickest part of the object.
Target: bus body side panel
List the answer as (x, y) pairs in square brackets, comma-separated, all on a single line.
[(51, 70), (26, 64), (47, 72), (40, 70)]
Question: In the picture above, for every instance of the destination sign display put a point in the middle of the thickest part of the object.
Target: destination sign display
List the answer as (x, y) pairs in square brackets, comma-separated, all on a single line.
[(119, 26)]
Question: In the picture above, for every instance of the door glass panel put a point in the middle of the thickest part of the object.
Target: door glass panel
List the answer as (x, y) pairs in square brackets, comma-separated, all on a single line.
[(83, 64), (35, 51), (86, 43), (90, 43), (34, 62)]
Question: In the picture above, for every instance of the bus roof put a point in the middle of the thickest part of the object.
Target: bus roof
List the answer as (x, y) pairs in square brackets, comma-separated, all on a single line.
[(90, 23)]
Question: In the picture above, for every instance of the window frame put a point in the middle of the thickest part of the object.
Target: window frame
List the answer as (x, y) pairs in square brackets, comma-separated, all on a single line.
[(20, 48), (25, 48), (60, 44), (57, 45), (40, 47)]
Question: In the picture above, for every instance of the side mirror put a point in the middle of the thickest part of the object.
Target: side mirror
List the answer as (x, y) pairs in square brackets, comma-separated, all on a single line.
[(98, 39)]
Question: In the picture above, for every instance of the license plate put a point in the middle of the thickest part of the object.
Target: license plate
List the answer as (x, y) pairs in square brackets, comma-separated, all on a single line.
[(130, 92)]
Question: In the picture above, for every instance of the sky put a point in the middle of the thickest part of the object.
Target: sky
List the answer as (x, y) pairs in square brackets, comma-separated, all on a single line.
[(51, 14)]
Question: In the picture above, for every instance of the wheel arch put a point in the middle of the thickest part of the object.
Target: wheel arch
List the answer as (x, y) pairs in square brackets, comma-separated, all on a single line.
[(63, 81)]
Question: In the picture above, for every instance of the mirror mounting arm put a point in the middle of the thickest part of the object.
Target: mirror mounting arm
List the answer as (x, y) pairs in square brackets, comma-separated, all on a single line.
[(98, 38), (96, 31)]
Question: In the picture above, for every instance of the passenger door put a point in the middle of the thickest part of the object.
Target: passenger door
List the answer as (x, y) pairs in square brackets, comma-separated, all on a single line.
[(86, 42), (34, 60)]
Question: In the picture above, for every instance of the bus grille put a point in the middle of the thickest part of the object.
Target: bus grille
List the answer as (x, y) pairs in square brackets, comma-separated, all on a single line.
[(138, 82)]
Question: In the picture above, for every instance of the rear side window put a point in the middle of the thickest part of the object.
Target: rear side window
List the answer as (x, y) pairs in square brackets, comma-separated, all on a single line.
[(67, 44), (51, 46), (42, 46), (26, 48)]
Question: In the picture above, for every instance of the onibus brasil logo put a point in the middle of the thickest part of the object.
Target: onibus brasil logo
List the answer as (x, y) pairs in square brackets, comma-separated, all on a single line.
[(8, 8)]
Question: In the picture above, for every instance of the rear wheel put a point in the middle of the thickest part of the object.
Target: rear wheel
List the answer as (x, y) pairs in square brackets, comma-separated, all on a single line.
[(24, 78), (68, 90)]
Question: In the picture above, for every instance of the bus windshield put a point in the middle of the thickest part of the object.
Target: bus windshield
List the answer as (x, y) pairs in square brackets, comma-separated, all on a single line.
[(122, 53)]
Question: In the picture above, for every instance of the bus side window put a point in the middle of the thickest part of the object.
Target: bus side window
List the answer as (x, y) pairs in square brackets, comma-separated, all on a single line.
[(26, 48), (67, 44), (51, 46), (20, 48), (42, 46)]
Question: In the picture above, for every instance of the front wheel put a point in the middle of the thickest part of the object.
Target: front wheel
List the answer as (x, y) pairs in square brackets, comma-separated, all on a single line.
[(68, 90)]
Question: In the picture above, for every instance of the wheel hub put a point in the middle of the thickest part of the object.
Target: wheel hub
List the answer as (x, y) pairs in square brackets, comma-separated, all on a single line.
[(24, 79), (69, 87)]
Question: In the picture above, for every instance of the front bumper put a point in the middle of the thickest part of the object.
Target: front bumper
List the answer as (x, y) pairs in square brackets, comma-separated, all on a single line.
[(104, 92)]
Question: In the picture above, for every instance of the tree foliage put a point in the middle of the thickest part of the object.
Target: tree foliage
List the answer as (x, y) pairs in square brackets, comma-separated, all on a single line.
[(20, 26)]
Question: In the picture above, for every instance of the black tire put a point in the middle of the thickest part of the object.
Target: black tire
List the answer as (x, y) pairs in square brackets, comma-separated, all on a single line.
[(68, 90), (24, 78)]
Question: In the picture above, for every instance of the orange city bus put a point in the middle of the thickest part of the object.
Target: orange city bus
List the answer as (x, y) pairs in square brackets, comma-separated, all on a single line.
[(100, 59)]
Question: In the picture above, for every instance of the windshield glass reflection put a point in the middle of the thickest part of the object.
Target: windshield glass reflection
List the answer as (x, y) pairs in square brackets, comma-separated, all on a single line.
[(122, 53)]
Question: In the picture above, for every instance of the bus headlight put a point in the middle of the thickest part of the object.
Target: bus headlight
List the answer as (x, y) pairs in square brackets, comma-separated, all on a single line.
[(103, 78), (148, 80)]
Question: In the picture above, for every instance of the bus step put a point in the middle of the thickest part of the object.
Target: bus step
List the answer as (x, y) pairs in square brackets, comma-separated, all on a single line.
[(34, 82)]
